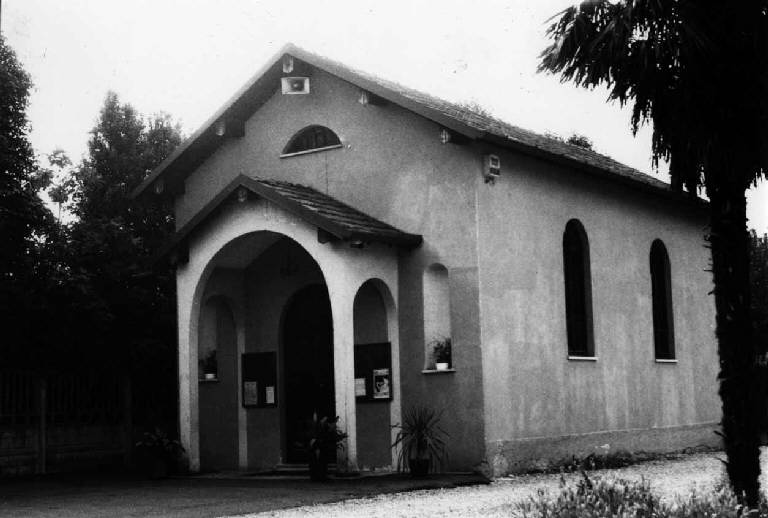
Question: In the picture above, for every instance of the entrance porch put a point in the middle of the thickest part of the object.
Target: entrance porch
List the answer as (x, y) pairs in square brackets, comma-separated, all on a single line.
[(293, 314)]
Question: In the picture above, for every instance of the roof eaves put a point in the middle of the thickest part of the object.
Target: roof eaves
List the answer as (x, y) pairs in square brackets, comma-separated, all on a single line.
[(389, 235), (208, 125), (602, 172)]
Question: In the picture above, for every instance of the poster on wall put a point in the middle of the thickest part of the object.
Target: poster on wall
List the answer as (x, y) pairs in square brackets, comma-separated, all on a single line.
[(360, 387), (250, 393), (380, 383)]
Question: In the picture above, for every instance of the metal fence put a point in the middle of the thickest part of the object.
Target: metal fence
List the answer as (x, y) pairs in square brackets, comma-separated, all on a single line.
[(61, 421)]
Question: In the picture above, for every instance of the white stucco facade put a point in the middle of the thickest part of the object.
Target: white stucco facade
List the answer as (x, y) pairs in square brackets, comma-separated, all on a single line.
[(344, 269)]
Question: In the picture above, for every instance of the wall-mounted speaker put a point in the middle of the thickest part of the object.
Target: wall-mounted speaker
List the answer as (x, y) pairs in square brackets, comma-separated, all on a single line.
[(295, 85)]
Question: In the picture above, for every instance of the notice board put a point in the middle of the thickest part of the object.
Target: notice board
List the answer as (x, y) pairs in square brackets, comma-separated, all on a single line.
[(373, 372), (259, 379)]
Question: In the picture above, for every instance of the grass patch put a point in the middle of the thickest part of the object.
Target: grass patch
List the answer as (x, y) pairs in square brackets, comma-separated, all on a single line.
[(599, 497), (611, 460)]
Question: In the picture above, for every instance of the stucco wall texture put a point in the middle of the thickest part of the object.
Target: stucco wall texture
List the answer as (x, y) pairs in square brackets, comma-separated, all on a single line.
[(514, 390), (532, 389)]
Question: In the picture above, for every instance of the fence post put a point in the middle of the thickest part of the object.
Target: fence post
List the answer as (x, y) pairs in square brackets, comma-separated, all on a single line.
[(127, 420), (42, 460)]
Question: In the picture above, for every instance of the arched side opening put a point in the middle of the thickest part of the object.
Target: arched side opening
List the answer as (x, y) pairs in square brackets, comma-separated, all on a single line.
[(661, 297), (437, 317), (578, 290), (218, 386), (374, 380)]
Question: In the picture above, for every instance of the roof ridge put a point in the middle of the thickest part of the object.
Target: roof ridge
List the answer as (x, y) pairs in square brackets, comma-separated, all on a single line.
[(419, 96)]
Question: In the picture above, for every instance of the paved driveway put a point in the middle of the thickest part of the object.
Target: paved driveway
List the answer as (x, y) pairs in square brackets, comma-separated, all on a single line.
[(669, 478), (383, 496), (113, 497)]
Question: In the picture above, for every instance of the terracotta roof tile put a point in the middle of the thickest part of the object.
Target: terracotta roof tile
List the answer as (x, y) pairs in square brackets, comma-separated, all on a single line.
[(356, 225)]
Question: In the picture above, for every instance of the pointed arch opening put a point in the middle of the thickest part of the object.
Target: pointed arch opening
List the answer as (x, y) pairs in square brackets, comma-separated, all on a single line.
[(578, 290), (661, 297), (311, 139)]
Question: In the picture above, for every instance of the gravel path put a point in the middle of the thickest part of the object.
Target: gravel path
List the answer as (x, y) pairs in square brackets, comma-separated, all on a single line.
[(499, 499)]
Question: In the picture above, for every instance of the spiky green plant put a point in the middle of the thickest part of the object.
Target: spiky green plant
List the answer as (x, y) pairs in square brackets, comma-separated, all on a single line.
[(420, 436)]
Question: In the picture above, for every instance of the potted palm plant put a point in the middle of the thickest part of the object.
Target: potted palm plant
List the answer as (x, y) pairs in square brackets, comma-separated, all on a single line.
[(421, 441), (322, 437), (158, 454)]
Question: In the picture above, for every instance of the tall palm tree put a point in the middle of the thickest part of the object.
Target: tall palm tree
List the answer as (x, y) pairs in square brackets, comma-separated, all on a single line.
[(695, 70)]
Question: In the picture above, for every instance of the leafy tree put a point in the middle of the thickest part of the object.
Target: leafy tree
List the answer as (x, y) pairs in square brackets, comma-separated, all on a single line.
[(115, 238), (25, 223), (22, 213), (759, 280), (696, 70)]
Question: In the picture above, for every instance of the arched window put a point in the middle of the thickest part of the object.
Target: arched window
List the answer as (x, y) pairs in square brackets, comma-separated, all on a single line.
[(661, 295), (578, 290), (311, 138), (437, 317)]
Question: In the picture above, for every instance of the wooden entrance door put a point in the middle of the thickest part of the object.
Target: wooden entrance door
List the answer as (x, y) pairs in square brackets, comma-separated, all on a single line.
[(308, 365)]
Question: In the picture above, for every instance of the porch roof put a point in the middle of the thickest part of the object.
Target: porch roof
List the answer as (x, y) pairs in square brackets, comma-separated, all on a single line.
[(336, 221)]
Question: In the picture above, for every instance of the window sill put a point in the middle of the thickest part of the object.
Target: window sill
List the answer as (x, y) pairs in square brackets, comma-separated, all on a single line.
[(435, 371), (308, 151), (666, 360), (582, 358), (208, 380)]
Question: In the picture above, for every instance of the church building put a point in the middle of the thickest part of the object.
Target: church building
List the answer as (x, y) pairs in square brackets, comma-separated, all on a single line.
[(348, 246)]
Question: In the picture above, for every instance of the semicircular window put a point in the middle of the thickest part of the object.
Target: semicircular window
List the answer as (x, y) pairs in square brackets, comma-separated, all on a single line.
[(310, 139)]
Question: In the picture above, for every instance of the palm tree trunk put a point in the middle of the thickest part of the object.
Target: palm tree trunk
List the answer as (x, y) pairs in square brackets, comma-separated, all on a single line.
[(739, 392)]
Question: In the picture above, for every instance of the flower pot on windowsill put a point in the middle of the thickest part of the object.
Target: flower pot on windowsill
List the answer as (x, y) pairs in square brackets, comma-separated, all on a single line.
[(442, 366)]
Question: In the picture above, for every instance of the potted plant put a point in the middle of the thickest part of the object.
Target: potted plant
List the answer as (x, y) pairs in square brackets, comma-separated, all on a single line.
[(441, 352), (322, 439), (158, 454), (209, 366), (421, 441)]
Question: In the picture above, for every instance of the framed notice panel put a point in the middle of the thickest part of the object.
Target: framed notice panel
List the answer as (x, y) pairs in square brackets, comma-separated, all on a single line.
[(373, 372), (259, 379)]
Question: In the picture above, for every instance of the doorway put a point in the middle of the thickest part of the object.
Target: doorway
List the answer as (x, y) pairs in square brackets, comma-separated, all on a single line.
[(307, 364)]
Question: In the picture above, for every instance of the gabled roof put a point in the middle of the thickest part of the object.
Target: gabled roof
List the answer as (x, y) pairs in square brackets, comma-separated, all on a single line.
[(459, 119), (337, 220)]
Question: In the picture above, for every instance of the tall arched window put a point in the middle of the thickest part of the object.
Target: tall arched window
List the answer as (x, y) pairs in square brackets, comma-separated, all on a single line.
[(661, 295), (311, 138), (437, 317), (578, 290)]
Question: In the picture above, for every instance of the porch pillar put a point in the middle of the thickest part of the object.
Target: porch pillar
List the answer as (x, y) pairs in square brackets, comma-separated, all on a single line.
[(344, 371), (189, 431)]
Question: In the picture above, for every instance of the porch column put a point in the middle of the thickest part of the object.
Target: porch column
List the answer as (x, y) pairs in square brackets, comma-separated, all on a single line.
[(342, 299), (189, 431)]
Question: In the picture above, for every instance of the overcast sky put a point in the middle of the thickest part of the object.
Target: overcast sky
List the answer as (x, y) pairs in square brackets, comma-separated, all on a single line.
[(188, 57)]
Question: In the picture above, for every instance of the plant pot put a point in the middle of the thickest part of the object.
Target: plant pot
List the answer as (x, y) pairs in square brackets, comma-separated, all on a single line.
[(156, 469), (318, 468), (441, 366), (418, 467)]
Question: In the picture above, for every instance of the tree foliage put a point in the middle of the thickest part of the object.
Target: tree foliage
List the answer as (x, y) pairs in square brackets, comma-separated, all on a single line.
[(22, 214), (759, 280), (116, 237), (696, 70)]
